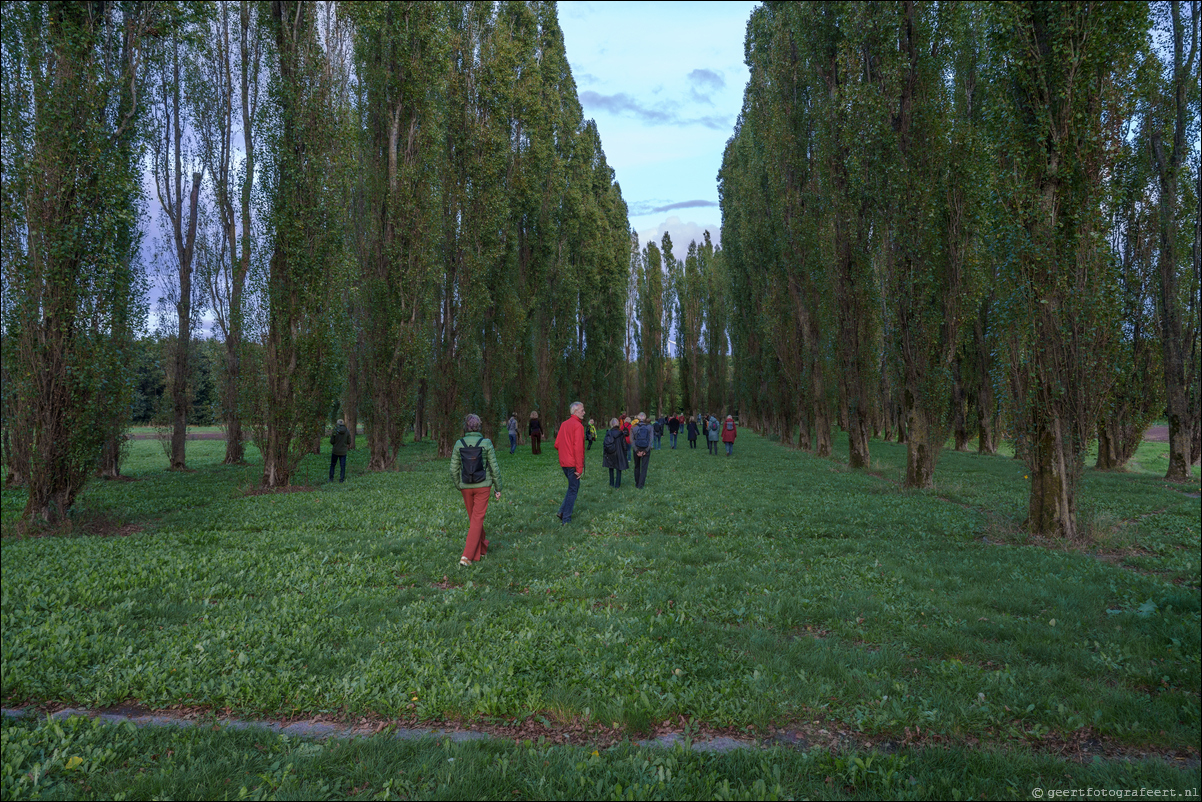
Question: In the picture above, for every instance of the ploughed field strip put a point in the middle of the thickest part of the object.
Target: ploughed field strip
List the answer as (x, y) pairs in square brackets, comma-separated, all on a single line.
[(767, 592)]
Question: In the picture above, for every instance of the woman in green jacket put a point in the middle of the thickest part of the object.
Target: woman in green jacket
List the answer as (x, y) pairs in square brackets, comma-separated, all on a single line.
[(475, 472)]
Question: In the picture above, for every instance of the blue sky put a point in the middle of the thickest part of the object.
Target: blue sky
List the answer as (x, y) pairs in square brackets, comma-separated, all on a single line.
[(664, 81)]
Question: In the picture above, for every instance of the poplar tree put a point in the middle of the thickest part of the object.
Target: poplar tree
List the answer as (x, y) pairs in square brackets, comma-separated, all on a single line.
[(651, 335), (174, 159), (1059, 69), (399, 53), (226, 84), (305, 226), (72, 289), (1171, 133), (689, 299), (472, 208), (934, 155)]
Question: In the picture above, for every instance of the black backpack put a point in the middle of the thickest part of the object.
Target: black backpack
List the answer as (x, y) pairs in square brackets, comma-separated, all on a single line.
[(609, 446), (471, 462), (642, 437), (659, 428)]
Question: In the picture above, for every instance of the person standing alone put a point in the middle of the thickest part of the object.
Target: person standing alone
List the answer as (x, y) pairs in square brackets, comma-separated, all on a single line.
[(475, 472), (569, 442), (513, 433), (340, 440), (535, 430)]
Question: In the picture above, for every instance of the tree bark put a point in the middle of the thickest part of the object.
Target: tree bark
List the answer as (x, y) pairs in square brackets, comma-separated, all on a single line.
[(1053, 503), (183, 342), (921, 453)]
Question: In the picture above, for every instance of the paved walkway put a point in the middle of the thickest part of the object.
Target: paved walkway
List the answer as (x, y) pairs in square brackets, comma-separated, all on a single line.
[(317, 729)]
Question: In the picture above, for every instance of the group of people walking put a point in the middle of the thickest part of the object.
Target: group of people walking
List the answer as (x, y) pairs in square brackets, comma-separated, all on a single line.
[(476, 473)]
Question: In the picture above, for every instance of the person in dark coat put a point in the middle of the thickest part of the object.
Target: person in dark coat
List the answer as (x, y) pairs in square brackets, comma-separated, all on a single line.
[(340, 440), (673, 429), (692, 430), (613, 453), (536, 434), (642, 433)]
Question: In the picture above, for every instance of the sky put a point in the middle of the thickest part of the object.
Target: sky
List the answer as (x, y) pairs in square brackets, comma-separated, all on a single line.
[(664, 81)]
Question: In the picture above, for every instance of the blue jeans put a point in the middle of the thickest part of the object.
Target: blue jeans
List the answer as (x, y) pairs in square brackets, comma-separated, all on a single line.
[(569, 500), (672, 437), (657, 444), (513, 442), (615, 477), (730, 448), (334, 459)]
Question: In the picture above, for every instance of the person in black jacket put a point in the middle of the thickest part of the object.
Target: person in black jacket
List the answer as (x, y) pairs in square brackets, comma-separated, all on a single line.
[(692, 430), (613, 453), (536, 434), (340, 440), (673, 429)]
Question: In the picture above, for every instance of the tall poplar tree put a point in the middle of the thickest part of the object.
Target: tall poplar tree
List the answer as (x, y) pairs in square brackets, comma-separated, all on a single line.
[(473, 209), (173, 157), (72, 289), (1172, 135), (226, 85), (400, 51), (305, 228), (1060, 67), (929, 278)]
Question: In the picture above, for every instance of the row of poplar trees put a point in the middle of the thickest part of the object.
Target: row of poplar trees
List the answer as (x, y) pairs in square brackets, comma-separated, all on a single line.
[(969, 216), (393, 208)]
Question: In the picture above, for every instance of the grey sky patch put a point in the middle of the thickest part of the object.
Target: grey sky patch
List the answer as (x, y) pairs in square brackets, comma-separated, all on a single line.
[(709, 80), (689, 204), (702, 83), (663, 114)]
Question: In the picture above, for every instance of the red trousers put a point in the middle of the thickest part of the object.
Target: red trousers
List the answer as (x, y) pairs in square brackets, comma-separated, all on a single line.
[(476, 501)]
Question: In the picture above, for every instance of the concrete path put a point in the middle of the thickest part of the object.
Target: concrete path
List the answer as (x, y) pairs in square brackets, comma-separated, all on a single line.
[(320, 730)]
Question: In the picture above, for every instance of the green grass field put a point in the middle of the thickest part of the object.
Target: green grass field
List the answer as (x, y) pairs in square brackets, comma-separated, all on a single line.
[(769, 591)]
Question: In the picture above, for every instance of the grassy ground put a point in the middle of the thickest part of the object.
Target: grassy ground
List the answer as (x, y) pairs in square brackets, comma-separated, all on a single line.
[(768, 591)]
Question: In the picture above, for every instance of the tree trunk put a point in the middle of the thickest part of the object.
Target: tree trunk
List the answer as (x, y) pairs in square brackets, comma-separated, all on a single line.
[(1108, 457), (1053, 504), (419, 420), (986, 419), (235, 451), (183, 340), (960, 409), (110, 457), (921, 452), (350, 401), (857, 438)]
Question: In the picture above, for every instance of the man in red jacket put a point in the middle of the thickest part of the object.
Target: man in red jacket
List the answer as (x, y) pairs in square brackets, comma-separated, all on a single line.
[(570, 445)]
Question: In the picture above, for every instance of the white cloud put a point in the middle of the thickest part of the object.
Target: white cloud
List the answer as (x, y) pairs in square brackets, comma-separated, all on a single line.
[(682, 234)]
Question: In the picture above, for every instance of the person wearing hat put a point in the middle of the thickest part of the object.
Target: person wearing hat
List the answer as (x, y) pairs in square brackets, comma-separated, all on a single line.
[(729, 433), (475, 472), (340, 440)]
